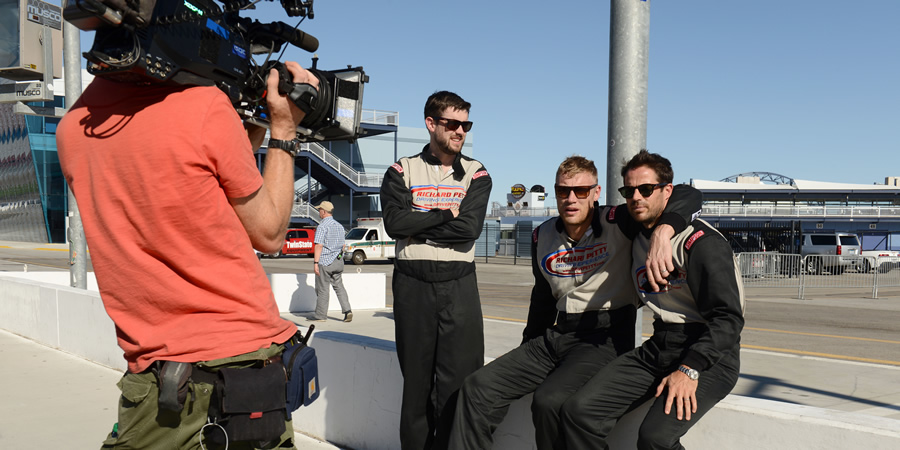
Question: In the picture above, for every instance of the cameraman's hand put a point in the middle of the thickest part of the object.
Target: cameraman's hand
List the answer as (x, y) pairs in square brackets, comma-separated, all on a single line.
[(284, 114), (265, 213)]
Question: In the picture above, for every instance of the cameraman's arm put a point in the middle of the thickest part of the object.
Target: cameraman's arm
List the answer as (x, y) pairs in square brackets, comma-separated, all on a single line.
[(266, 213)]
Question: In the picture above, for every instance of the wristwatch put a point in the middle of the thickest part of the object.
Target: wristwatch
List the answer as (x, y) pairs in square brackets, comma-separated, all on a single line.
[(691, 373), (292, 146)]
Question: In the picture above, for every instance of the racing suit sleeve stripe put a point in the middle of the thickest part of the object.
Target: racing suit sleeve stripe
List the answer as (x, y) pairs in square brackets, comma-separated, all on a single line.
[(711, 278), (468, 225), (400, 221), (683, 207)]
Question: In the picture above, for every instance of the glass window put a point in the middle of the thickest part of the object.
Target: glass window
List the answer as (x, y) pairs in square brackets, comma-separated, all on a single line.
[(356, 234), (823, 239)]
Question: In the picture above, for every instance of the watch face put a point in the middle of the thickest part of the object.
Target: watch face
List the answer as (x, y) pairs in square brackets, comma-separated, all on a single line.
[(691, 373)]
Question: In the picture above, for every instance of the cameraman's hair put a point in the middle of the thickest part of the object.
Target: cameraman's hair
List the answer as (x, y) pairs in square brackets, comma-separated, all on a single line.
[(574, 165), (654, 161), (441, 100)]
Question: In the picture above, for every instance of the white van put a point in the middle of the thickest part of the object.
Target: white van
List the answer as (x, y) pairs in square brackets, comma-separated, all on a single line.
[(368, 241)]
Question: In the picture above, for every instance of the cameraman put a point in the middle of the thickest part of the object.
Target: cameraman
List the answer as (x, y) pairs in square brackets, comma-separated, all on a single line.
[(173, 206)]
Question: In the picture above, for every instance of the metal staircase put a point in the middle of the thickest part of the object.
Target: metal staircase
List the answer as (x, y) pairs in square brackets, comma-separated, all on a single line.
[(328, 174)]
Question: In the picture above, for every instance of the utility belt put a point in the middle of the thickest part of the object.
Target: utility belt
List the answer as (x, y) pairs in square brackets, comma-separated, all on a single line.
[(251, 400)]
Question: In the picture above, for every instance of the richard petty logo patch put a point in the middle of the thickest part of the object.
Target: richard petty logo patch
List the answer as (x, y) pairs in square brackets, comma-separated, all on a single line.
[(428, 197), (575, 261), (676, 281)]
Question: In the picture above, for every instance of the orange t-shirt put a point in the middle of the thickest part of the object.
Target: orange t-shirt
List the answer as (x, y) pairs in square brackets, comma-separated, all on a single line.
[(152, 168)]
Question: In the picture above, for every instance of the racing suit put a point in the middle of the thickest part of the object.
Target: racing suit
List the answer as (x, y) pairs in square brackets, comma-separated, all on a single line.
[(581, 317), (437, 309), (698, 319)]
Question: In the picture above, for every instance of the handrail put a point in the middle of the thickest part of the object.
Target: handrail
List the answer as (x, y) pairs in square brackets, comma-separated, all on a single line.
[(301, 192), (511, 211), (361, 179), (379, 117), (303, 209), (843, 211)]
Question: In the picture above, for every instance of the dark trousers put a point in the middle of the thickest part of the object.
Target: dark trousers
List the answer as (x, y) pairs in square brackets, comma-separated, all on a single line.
[(553, 367), (630, 380), (440, 340)]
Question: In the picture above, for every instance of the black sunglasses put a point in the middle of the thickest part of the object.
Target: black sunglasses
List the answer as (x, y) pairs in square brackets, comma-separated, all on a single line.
[(580, 191), (453, 124), (646, 190)]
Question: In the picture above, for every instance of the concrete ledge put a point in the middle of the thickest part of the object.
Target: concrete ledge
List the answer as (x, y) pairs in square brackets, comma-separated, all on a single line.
[(65, 318), (294, 292), (360, 383)]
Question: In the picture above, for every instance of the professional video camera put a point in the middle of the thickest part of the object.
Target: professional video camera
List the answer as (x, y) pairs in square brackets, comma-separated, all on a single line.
[(196, 42)]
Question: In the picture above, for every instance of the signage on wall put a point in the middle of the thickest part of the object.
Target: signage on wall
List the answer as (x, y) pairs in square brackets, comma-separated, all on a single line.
[(517, 191)]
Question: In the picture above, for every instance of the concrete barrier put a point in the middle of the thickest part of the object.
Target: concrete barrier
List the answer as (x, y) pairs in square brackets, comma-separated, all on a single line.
[(294, 292), (360, 382)]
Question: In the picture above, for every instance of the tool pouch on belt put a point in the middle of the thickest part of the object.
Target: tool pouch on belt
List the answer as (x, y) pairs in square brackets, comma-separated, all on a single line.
[(249, 403), (302, 370), (173, 384)]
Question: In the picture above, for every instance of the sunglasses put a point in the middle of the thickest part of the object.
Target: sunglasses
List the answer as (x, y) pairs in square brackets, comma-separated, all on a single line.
[(581, 192), (453, 124), (646, 190)]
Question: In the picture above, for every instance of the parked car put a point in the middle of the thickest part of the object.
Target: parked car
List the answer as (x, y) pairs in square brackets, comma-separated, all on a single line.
[(881, 260), (830, 252), (297, 241)]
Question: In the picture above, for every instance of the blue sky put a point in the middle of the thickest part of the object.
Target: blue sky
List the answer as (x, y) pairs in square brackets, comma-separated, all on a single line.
[(803, 88)]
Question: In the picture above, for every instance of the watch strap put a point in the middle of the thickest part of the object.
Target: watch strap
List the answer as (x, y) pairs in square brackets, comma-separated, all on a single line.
[(292, 146)]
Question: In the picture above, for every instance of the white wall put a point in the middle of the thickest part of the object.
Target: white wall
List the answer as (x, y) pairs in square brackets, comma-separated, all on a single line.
[(294, 292), (359, 404)]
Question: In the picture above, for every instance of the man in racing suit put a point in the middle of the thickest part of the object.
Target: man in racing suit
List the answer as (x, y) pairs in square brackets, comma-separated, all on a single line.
[(582, 311), (434, 205), (693, 355)]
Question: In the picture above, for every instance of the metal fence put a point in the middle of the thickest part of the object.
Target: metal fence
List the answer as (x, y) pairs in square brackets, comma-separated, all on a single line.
[(814, 272), (791, 272)]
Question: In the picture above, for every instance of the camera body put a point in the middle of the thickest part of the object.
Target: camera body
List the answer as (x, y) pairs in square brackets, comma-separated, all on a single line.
[(197, 42)]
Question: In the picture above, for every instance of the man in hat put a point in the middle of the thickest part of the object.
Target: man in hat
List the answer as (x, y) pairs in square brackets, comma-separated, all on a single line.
[(329, 264)]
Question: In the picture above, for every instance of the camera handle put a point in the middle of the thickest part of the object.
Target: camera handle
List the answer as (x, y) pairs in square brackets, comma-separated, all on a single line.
[(303, 95)]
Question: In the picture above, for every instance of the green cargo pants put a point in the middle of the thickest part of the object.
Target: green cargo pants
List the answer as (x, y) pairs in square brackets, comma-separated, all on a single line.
[(143, 426)]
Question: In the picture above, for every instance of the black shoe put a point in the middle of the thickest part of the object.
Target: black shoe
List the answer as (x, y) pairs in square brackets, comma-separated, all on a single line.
[(315, 319), (348, 316)]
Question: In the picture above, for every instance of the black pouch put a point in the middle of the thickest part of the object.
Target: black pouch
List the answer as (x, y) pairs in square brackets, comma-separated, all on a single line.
[(173, 384), (249, 404), (302, 370)]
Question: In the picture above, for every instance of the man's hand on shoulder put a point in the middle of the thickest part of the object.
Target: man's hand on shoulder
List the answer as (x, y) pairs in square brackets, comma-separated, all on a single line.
[(659, 257)]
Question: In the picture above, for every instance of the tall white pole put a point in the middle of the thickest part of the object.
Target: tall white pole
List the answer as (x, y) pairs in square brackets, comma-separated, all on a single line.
[(629, 47), (75, 232)]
